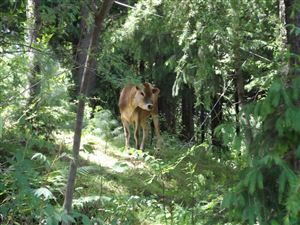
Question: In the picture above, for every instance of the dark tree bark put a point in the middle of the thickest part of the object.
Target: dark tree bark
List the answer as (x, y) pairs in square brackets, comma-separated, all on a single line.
[(292, 19), (99, 19), (216, 120), (187, 112), (167, 103), (34, 22), (141, 68), (167, 106), (239, 79), (82, 48), (202, 123), (237, 111)]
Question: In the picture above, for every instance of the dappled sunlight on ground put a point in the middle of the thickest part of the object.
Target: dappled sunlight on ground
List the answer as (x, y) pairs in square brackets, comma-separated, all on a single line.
[(103, 153), (106, 155), (99, 158)]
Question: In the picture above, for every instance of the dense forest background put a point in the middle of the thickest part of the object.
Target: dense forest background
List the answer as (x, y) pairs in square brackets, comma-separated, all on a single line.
[(229, 105)]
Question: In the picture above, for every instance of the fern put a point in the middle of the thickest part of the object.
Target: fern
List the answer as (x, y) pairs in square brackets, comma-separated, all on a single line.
[(44, 192), (87, 170)]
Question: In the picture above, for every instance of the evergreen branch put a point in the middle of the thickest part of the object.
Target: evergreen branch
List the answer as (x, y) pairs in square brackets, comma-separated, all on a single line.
[(12, 98), (132, 7), (255, 54)]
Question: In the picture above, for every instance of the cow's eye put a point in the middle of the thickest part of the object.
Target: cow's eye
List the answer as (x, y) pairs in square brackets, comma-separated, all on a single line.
[(142, 94)]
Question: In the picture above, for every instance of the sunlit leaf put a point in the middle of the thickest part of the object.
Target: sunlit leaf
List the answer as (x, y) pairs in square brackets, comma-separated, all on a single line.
[(120, 167), (44, 193)]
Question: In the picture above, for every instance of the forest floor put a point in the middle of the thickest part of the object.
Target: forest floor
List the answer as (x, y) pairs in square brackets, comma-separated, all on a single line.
[(130, 177), (108, 156), (180, 184), (124, 172), (144, 187)]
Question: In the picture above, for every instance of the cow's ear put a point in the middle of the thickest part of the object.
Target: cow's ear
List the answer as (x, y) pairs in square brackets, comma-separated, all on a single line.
[(146, 85), (155, 91)]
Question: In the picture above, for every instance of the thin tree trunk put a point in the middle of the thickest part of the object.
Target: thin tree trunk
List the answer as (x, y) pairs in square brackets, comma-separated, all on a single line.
[(99, 19), (187, 112), (282, 17), (167, 106), (239, 79), (240, 89), (167, 103), (141, 68), (202, 123), (34, 21), (237, 111), (83, 48), (292, 18), (216, 120)]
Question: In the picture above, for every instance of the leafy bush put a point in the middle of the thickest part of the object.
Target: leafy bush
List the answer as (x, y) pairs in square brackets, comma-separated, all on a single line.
[(267, 193), (49, 111), (31, 192), (105, 126)]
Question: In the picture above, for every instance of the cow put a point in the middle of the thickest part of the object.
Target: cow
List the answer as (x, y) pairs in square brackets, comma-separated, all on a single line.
[(136, 105)]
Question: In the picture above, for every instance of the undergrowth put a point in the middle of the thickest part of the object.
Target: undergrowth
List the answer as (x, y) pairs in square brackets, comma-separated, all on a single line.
[(180, 184)]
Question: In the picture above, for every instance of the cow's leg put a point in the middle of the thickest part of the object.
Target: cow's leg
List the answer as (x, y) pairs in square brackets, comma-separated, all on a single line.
[(145, 134), (126, 133), (136, 134), (157, 130)]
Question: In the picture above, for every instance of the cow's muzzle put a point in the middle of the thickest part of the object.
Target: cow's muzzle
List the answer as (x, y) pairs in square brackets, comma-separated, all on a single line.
[(150, 106)]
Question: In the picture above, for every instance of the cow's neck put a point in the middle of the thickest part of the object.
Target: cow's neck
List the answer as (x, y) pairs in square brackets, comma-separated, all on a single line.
[(131, 112)]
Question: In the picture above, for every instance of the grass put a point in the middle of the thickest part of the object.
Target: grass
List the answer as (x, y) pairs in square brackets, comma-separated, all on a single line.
[(142, 188), (180, 184)]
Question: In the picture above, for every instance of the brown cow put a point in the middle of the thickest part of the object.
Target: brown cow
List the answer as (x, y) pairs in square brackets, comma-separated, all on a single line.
[(136, 106)]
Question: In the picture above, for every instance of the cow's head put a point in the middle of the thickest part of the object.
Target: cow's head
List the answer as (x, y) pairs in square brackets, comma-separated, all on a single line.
[(146, 97)]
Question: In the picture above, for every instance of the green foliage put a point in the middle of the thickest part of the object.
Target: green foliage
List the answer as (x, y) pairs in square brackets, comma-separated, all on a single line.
[(266, 188), (254, 200), (27, 195), (105, 126), (205, 44)]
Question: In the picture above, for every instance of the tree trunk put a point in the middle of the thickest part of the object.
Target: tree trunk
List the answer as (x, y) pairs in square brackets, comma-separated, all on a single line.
[(293, 40), (142, 68), (166, 103), (34, 22), (202, 123), (216, 120), (282, 17), (83, 48), (239, 79), (240, 93), (167, 106), (237, 111), (292, 18), (99, 19), (187, 112)]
